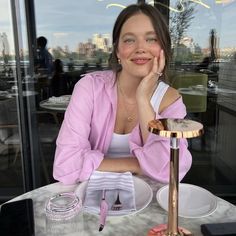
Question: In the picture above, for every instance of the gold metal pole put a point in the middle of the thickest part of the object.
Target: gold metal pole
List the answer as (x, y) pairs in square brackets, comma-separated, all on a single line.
[(172, 228), (173, 129)]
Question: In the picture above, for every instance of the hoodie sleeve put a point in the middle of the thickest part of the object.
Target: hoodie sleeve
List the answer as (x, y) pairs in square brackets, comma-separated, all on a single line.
[(74, 158), (154, 155)]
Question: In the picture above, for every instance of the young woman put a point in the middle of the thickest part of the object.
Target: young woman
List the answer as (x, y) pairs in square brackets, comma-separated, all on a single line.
[(105, 125)]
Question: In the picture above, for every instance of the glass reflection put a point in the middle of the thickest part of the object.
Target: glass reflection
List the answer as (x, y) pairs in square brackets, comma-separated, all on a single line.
[(10, 147), (202, 70)]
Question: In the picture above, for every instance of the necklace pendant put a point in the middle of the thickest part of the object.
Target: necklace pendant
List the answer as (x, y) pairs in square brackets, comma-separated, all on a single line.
[(130, 118)]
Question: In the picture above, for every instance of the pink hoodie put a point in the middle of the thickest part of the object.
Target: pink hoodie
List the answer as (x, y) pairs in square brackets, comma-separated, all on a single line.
[(87, 129)]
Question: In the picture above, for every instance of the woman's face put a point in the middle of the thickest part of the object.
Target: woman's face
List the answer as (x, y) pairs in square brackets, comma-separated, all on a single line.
[(138, 45)]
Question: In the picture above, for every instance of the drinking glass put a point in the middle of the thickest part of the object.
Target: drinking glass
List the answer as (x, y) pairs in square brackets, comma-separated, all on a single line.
[(64, 215)]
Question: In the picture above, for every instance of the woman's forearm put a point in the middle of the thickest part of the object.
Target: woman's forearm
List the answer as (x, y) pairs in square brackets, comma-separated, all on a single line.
[(146, 114), (120, 165)]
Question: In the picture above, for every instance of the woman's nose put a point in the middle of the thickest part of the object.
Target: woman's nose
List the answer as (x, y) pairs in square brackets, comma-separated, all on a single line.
[(140, 46), (140, 50)]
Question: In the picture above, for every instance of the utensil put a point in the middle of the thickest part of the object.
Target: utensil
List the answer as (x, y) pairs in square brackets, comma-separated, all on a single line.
[(143, 195), (117, 204), (103, 211)]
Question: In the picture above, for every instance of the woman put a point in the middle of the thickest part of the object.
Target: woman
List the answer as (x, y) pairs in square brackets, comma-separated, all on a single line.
[(105, 125)]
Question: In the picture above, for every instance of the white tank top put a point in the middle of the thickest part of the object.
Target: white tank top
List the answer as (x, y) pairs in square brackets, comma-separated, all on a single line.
[(119, 146)]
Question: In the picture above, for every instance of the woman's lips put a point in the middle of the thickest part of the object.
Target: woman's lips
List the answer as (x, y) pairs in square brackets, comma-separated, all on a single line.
[(140, 61)]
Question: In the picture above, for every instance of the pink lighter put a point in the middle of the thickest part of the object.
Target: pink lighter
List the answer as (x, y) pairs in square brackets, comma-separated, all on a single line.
[(103, 211)]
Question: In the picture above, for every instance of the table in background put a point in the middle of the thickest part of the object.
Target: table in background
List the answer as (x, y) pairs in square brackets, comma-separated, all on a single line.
[(7, 95), (132, 225), (55, 106)]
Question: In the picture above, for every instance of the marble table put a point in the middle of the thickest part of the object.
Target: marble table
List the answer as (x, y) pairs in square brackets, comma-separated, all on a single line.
[(132, 225)]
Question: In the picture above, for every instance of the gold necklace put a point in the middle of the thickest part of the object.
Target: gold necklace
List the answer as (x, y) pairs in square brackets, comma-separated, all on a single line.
[(130, 117)]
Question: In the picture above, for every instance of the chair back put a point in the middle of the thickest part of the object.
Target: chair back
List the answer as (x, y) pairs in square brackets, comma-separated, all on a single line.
[(43, 87), (8, 118), (197, 101)]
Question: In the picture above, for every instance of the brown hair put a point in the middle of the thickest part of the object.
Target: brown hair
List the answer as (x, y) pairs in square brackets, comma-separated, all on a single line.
[(159, 26)]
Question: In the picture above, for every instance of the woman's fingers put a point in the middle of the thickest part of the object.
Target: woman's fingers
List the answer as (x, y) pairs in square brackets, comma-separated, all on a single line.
[(154, 70), (161, 62), (157, 68), (158, 65), (149, 82)]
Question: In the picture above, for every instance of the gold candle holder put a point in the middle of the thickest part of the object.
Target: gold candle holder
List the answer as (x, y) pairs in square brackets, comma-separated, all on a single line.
[(173, 129)]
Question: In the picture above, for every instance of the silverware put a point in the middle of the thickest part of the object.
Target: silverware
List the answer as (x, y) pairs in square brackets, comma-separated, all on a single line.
[(117, 204), (103, 211)]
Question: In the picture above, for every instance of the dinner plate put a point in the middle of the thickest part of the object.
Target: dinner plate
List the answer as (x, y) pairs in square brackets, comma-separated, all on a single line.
[(185, 89), (143, 196), (50, 104), (66, 96), (62, 102), (194, 201)]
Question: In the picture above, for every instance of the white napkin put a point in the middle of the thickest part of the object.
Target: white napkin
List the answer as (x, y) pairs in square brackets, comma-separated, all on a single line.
[(62, 99), (112, 183)]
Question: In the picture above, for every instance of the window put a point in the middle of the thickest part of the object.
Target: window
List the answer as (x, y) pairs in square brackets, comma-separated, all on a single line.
[(203, 70)]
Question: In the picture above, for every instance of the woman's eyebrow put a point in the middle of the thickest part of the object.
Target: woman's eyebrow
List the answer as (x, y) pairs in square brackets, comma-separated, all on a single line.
[(151, 32), (133, 34), (128, 34)]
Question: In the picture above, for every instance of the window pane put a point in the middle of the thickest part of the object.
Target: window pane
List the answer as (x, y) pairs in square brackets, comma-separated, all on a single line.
[(203, 70), (78, 35), (11, 180), (79, 32)]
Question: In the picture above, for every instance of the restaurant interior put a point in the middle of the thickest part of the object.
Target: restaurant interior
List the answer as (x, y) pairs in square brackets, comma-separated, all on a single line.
[(203, 69)]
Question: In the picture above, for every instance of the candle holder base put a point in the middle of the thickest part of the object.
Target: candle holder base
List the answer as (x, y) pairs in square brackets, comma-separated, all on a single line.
[(161, 230)]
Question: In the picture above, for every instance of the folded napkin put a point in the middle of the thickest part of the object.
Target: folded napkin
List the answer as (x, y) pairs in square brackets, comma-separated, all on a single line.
[(112, 183)]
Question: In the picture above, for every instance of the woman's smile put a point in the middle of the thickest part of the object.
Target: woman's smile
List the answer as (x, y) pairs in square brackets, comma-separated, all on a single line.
[(140, 60)]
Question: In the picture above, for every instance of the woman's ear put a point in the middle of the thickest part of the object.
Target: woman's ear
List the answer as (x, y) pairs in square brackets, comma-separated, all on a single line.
[(117, 54)]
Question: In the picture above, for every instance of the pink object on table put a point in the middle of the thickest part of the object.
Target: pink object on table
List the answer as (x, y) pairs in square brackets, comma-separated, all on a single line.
[(103, 211)]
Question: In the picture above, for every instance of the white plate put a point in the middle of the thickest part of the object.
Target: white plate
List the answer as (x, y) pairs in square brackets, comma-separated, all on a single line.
[(143, 195), (194, 201), (66, 96)]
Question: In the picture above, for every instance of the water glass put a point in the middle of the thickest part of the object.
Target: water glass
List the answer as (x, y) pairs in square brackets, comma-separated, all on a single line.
[(64, 215)]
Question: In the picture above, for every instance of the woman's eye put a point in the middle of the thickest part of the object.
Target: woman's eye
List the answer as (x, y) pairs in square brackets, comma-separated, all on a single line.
[(152, 40), (129, 41)]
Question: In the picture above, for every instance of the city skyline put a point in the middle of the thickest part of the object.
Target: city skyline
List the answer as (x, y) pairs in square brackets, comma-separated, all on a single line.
[(101, 42), (69, 24)]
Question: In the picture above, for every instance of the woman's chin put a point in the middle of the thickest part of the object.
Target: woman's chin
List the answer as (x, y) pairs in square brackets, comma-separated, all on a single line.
[(141, 74)]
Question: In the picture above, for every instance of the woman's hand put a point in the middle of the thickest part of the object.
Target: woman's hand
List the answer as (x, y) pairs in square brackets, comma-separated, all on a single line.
[(148, 83), (144, 93)]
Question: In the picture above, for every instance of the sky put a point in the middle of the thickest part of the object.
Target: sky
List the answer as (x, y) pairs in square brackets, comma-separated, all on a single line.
[(219, 17), (68, 22), (78, 21)]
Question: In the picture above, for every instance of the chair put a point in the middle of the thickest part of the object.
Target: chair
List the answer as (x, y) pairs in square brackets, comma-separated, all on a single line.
[(8, 125), (194, 103), (43, 87), (72, 78), (9, 133)]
